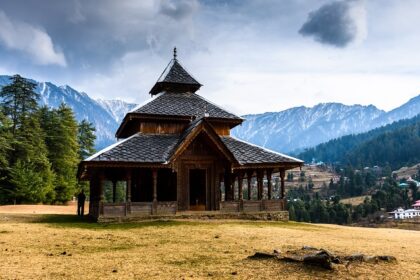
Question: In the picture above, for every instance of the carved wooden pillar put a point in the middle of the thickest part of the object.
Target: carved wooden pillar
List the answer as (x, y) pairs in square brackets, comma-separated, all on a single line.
[(260, 177), (249, 181), (154, 206), (114, 191), (282, 174), (269, 186)]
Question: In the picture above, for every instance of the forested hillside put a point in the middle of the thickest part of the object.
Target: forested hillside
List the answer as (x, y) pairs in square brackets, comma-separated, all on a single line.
[(396, 144)]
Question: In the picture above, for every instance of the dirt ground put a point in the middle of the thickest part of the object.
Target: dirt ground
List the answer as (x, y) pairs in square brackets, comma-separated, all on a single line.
[(71, 208), (66, 247)]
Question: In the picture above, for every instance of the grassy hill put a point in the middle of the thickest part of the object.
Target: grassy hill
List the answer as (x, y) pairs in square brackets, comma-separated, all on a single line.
[(62, 247), (397, 144)]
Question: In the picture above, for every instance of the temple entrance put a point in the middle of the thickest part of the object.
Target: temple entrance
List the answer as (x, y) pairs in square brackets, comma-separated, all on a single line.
[(197, 189)]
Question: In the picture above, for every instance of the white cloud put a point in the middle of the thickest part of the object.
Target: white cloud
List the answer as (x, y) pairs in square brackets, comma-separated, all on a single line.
[(17, 35)]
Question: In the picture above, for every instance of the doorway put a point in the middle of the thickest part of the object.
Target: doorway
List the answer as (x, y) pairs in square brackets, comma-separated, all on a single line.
[(197, 189)]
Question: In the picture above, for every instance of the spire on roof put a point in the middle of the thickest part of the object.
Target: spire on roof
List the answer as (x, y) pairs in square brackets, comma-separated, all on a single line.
[(175, 79)]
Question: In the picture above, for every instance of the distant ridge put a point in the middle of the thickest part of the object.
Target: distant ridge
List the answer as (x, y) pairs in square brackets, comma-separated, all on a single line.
[(297, 128)]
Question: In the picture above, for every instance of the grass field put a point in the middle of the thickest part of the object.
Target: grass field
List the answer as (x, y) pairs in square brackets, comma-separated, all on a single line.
[(63, 246), (356, 200)]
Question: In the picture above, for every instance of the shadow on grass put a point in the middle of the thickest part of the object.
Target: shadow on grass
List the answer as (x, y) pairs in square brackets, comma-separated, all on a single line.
[(72, 221)]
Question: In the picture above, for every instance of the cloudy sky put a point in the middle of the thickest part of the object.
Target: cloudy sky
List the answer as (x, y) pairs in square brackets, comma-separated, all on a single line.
[(251, 56)]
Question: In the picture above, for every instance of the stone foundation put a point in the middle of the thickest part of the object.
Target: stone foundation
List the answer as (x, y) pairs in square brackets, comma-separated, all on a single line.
[(205, 215)]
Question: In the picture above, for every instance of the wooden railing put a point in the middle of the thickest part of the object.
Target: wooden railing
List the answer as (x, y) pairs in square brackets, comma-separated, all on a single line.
[(121, 209), (253, 205)]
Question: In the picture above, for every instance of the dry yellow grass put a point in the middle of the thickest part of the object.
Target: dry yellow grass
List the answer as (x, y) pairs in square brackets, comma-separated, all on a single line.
[(356, 200), (31, 247)]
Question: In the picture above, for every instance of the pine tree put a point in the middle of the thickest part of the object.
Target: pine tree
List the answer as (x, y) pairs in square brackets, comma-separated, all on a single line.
[(63, 149), (86, 139), (19, 100), (5, 149), (30, 164)]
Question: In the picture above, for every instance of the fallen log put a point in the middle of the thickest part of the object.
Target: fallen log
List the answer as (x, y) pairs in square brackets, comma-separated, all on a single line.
[(320, 257)]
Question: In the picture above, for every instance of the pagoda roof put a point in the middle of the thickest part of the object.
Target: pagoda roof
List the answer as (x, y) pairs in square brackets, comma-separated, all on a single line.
[(175, 77), (163, 149)]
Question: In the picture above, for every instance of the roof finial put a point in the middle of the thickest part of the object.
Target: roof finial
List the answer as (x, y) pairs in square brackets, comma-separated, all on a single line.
[(175, 53)]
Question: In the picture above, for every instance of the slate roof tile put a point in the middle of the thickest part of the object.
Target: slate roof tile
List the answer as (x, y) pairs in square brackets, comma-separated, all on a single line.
[(175, 73), (141, 148), (183, 104), (246, 153)]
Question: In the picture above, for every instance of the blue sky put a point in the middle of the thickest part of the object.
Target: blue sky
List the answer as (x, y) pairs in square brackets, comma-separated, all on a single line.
[(251, 56)]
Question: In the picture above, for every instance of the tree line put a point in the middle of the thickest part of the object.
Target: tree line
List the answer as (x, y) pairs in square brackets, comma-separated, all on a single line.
[(396, 145), (40, 147)]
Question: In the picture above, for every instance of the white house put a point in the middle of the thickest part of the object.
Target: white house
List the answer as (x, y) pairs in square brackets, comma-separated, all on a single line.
[(401, 214)]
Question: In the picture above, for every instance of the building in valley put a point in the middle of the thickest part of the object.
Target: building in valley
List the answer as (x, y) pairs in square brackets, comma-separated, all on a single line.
[(175, 154)]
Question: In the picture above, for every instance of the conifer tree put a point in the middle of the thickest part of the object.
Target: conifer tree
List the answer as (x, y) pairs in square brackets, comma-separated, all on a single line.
[(86, 139), (5, 149), (63, 149), (30, 164), (19, 99)]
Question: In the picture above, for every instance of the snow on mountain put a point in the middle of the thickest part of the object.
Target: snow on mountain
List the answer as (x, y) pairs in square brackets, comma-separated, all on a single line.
[(105, 120), (116, 108), (301, 127), (405, 111)]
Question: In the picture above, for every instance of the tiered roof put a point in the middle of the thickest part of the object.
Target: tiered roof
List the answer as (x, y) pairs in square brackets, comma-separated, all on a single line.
[(160, 148)]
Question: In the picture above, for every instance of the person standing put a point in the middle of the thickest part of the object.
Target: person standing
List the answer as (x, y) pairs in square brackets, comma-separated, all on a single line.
[(81, 198)]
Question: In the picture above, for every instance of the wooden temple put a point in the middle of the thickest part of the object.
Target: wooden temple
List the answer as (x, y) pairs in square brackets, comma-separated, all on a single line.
[(175, 154)]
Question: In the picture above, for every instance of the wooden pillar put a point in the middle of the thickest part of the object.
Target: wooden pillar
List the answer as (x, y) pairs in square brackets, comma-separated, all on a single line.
[(154, 206), (128, 194), (233, 183), (128, 180), (101, 192), (114, 191), (240, 183), (260, 177), (269, 186), (282, 174), (228, 185), (249, 180), (240, 191)]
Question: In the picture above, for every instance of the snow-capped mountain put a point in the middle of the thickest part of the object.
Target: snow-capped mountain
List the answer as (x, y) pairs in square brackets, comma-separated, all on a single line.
[(105, 115), (301, 127), (116, 108), (405, 111)]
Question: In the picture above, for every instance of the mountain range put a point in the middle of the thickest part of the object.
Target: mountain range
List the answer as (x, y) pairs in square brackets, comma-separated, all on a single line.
[(290, 130), (295, 129)]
